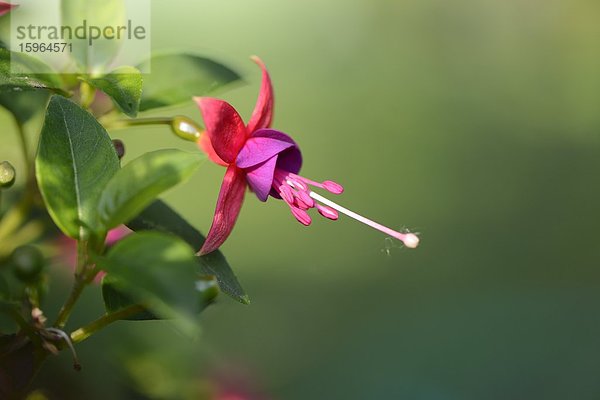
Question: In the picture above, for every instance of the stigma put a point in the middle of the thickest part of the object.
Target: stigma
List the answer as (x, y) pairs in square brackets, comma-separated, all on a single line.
[(297, 192)]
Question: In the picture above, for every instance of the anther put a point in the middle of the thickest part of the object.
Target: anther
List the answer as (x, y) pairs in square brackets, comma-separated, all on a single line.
[(287, 194), (333, 187), (327, 212), (305, 198), (297, 184), (301, 205), (301, 215)]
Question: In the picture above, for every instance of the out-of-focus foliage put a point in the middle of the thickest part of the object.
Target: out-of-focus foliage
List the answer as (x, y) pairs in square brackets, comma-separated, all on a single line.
[(124, 86)]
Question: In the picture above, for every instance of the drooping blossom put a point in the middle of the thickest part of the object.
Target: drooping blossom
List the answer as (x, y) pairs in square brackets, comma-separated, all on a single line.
[(268, 162), (6, 7)]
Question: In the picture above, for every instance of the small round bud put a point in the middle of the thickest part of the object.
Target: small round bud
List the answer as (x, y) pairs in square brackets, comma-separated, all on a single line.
[(7, 174), (411, 240), (28, 262), (186, 129), (119, 148), (208, 288)]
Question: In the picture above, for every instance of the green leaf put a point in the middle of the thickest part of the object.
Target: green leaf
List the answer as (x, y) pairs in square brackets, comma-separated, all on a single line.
[(124, 86), (25, 74), (139, 183), (75, 161), (176, 78), (159, 272), (98, 13), (24, 105), (115, 299), (215, 264), (160, 217)]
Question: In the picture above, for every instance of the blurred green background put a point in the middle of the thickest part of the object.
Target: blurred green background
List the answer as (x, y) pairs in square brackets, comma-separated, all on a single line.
[(475, 123)]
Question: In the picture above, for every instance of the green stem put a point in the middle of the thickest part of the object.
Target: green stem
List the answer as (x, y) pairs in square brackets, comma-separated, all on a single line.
[(126, 123), (67, 308), (86, 331), (81, 259), (87, 94), (24, 147), (81, 281)]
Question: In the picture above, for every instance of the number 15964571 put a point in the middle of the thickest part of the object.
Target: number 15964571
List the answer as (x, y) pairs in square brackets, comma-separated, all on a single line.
[(46, 47)]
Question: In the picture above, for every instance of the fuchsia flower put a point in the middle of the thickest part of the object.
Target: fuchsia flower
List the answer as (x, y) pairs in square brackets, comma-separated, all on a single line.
[(6, 7), (266, 160)]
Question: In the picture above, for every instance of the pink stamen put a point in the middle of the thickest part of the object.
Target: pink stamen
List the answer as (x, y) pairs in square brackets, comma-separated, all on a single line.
[(301, 215), (297, 184), (327, 212), (301, 205), (305, 198), (286, 193), (295, 191), (330, 186), (333, 187)]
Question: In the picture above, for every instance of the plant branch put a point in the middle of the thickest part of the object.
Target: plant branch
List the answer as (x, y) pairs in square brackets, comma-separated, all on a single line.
[(67, 308), (24, 147), (85, 332), (81, 281), (126, 123)]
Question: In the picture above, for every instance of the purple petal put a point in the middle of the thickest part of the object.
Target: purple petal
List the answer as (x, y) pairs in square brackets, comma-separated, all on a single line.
[(260, 178), (290, 160), (261, 146)]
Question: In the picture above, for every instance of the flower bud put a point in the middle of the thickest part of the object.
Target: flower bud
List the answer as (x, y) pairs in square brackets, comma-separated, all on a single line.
[(28, 262), (7, 174), (119, 148), (186, 129), (208, 288)]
